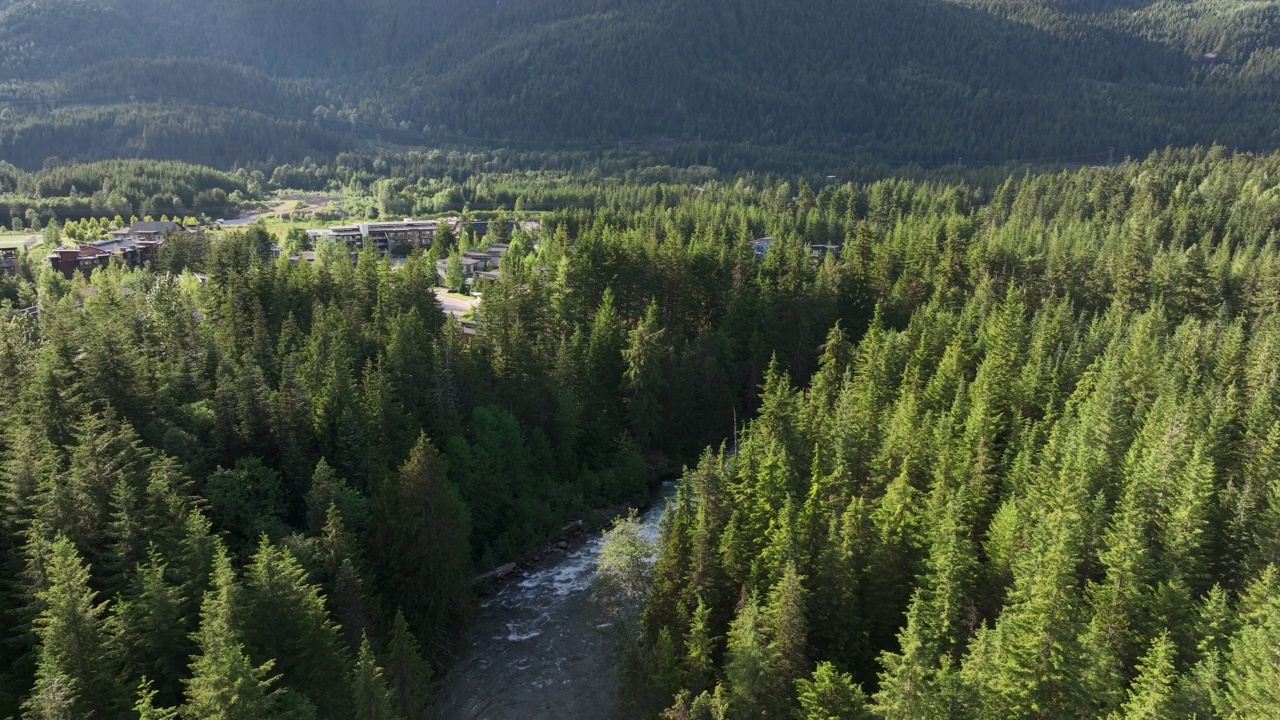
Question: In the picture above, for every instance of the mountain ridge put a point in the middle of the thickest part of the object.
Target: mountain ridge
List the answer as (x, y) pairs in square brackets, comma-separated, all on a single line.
[(923, 80)]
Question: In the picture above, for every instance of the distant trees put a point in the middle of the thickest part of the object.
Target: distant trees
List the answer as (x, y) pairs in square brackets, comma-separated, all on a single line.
[(87, 196)]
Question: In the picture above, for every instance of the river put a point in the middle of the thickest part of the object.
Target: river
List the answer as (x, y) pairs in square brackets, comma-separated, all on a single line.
[(541, 648)]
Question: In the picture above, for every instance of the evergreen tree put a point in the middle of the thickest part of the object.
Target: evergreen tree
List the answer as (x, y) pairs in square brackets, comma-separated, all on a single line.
[(145, 706), (150, 630), (224, 684), (830, 695), (282, 618), (753, 687), (424, 566), (371, 699), (74, 676), (643, 380), (1252, 672), (789, 629), (1151, 695), (408, 677)]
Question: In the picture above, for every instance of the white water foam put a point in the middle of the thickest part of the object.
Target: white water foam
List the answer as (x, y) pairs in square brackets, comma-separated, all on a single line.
[(516, 636)]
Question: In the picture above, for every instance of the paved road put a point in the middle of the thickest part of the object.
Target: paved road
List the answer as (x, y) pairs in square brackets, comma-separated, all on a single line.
[(455, 305)]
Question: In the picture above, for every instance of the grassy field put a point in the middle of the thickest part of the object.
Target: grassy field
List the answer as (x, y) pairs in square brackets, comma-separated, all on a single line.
[(12, 239)]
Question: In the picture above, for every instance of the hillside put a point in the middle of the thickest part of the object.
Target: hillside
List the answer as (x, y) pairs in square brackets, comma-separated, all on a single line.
[(886, 80)]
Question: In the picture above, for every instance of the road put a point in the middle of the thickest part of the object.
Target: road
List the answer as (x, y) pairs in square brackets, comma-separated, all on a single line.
[(454, 304)]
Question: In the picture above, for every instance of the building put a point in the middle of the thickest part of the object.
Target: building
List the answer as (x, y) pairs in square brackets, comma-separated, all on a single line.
[(819, 252), (380, 236), (386, 236), (154, 231), (8, 260), (413, 233), (85, 259), (349, 234), (134, 246), (471, 266), (760, 246), (11, 249), (476, 263)]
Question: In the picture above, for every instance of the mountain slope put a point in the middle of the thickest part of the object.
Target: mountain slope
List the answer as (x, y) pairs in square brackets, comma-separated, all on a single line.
[(889, 80)]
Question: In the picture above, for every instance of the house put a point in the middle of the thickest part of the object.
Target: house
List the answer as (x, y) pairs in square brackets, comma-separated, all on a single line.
[(469, 330), (819, 252), (69, 260), (476, 263), (10, 250), (760, 246), (8, 260), (134, 246), (155, 231), (483, 259)]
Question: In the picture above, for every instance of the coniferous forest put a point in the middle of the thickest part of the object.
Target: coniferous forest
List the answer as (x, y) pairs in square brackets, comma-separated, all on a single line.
[(1011, 453), (949, 327), (835, 83)]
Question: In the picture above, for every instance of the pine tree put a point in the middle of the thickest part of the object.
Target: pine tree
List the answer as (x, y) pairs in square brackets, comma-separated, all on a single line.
[(371, 699), (424, 566), (408, 677), (917, 680), (150, 631), (604, 363), (145, 706), (700, 647), (1029, 664), (282, 617), (1200, 688), (107, 453), (789, 628), (643, 381), (830, 695), (753, 687), (224, 684), (1252, 671), (1151, 696), (73, 671), (824, 387)]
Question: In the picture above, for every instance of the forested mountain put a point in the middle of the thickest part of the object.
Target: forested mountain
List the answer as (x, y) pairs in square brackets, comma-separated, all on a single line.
[(897, 81)]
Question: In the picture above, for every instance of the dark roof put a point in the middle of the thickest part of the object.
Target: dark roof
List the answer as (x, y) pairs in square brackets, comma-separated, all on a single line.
[(155, 226), (113, 245)]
